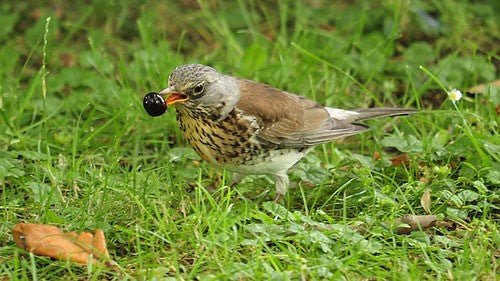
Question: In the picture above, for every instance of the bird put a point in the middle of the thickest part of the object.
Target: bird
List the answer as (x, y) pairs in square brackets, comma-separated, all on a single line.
[(250, 128)]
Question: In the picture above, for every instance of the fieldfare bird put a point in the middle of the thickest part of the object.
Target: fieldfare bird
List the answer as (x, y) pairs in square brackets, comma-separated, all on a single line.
[(249, 127)]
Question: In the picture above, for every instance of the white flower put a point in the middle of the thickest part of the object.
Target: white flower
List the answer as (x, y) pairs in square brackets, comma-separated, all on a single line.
[(454, 95)]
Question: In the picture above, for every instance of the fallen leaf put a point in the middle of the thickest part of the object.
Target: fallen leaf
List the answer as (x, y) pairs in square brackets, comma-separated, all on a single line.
[(425, 200), (50, 241), (482, 87), (423, 180), (408, 223), (401, 159)]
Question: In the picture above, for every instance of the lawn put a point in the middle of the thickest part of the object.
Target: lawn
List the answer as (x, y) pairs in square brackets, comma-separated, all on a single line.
[(78, 151)]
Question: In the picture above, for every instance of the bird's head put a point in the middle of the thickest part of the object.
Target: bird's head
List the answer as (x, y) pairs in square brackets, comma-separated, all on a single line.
[(196, 86)]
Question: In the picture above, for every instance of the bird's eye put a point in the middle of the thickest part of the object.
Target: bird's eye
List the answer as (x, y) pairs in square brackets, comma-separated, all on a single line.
[(198, 90)]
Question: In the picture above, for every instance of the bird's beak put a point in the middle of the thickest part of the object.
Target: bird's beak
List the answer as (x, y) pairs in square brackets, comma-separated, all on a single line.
[(172, 97)]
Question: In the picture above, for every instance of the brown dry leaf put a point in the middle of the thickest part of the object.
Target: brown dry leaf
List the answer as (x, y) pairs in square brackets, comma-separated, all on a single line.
[(408, 223), (482, 87), (401, 159), (423, 180), (425, 200), (50, 241)]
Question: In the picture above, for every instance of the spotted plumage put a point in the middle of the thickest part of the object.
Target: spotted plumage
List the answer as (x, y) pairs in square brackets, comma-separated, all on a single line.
[(219, 141), (252, 128)]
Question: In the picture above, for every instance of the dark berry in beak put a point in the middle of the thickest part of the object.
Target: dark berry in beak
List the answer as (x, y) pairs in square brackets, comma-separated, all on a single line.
[(154, 104)]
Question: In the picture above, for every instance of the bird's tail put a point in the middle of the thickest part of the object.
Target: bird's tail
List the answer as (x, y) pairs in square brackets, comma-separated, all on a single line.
[(367, 113)]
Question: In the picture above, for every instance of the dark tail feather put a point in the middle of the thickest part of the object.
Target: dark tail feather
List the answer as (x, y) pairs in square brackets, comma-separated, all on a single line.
[(369, 113)]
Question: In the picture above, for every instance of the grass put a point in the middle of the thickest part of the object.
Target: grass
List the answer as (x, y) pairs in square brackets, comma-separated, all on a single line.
[(79, 152)]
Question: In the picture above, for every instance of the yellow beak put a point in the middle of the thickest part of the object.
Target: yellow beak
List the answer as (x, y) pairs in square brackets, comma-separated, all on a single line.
[(173, 97)]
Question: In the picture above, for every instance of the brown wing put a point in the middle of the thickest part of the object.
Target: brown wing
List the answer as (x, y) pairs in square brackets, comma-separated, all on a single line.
[(288, 120)]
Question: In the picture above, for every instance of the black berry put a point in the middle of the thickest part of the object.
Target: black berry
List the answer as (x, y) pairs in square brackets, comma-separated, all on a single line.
[(154, 104)]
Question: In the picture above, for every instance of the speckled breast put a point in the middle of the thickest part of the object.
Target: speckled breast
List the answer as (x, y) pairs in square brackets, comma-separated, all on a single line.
[(230, 141)]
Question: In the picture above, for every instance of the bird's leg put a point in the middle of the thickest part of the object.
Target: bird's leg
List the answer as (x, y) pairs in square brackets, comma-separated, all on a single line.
[(282, 183), (237, 178)]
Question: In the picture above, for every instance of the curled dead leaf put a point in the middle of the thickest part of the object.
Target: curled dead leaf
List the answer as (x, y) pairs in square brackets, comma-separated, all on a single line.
[(50, 241), (425, 200), (408, 223), (481, 88), (423, 180), (401, 159)]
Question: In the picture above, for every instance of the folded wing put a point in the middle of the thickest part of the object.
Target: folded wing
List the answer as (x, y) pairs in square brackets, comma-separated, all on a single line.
[(288, 120)]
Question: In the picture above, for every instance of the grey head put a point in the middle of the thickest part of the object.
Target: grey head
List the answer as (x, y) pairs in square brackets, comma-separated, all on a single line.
[(200, 87)]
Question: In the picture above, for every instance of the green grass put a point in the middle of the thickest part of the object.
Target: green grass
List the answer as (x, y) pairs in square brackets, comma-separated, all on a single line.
[(78, 151)]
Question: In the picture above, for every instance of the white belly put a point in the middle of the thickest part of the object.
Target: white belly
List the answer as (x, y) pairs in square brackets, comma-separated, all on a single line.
[(276, 162)]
